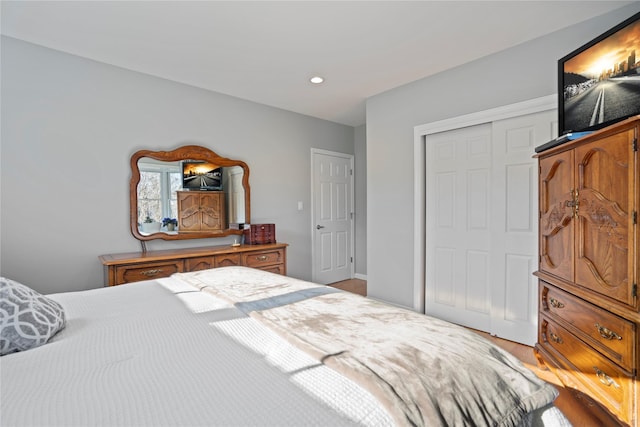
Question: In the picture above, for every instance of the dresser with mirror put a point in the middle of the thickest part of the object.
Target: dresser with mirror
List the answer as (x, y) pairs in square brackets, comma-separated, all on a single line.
[(188, 193)]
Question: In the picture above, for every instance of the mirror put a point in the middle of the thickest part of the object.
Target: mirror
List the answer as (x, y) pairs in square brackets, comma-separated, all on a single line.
[(187, 193)]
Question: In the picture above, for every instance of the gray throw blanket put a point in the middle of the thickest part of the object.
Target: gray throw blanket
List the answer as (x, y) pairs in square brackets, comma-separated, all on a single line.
[(425, 371)]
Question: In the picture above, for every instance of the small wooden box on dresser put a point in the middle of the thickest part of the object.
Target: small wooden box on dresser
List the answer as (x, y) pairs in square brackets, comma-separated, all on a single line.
[(136, 266), (588, 273)]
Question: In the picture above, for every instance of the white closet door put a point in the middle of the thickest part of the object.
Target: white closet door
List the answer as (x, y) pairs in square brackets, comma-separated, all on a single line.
[(481, 206), (457, 222), (514, 236)]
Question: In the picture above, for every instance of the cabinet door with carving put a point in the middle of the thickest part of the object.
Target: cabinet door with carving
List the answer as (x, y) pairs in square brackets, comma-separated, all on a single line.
[(212, 210), (556, 213), (201, 211), (604, 224), (189, 217)]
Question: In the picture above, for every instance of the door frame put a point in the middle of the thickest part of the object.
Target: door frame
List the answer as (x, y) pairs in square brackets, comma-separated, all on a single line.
[(350, 157), (420, 134)]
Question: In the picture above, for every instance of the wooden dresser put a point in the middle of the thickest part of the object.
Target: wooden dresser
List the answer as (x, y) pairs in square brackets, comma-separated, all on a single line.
[(588, 274), (136, 266)]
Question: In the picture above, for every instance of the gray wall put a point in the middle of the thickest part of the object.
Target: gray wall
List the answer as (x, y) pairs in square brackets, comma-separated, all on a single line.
[(360, 180), (521, 73), (69, 127)]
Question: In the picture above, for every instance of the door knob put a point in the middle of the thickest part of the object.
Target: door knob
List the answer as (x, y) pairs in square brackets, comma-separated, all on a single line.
[(318, 227)]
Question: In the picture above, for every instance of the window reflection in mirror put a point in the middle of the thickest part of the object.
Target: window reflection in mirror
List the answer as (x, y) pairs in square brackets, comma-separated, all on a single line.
[(157, 188)]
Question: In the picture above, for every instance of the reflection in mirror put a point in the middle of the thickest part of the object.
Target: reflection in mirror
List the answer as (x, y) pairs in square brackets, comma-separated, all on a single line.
[(232, 181), (160, 182), (187, 193), (157, 188)]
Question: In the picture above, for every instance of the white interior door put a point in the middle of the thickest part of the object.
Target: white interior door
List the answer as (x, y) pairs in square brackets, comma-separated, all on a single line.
[(481, 225), (514, 238), (332, 216), (458, 215)]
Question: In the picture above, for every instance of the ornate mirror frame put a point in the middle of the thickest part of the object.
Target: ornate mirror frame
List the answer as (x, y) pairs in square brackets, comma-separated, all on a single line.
[(187, 152)]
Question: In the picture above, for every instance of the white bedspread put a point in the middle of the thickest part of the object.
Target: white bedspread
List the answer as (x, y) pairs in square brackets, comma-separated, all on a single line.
[(162, 353)]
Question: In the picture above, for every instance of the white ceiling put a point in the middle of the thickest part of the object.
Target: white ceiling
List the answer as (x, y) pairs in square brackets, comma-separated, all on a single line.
[(265, 51)]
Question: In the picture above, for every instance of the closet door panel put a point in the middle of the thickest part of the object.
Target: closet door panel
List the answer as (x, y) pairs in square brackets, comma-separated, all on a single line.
[(458, 219), (514, 224)]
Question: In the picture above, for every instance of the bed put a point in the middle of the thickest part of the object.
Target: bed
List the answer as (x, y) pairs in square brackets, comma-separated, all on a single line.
[(236, 346)]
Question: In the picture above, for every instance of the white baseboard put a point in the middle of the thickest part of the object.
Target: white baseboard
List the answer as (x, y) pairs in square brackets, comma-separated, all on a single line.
[(393, 304), (361, 276)]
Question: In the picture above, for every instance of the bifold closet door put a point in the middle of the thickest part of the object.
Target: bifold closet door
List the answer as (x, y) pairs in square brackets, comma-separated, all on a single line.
[(481, 225)]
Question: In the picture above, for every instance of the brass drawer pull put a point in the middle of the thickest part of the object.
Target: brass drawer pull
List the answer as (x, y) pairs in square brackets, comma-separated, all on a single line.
[(605, 379), (555, 303), (261, 258), (607, 333), (555, 338), (151, 272)]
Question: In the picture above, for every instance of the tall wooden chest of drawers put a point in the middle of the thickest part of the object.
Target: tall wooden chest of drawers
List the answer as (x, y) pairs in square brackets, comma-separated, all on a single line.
[(136, 266), (588, 315)]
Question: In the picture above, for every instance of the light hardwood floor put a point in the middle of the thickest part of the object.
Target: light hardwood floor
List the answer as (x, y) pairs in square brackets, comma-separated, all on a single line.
[(572, 404), (357, 286)]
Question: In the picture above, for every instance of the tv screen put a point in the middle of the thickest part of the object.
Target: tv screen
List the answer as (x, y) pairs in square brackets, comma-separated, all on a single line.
[(201, 175), (599, 83)]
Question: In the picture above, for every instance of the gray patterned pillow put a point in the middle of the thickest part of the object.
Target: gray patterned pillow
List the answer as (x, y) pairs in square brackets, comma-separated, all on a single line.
[(27, 319)]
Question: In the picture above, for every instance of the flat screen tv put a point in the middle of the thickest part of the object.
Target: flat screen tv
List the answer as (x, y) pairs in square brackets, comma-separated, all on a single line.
[(599, 83), (201, 175)]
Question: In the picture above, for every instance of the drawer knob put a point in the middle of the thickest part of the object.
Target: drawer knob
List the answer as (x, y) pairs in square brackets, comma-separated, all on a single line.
[(555, 303), (555, 338), (605, 379), (261, 258), (606, 333), (152, 272)]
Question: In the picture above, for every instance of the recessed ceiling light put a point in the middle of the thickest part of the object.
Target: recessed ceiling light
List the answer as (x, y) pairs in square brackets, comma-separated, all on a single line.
[(316, 80)]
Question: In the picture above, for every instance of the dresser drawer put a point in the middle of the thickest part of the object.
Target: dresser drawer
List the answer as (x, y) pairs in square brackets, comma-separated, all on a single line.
[(278, 269), (604, 380), (199, 263), (613, 336), (147, 271), (262, 259), (227, 260)]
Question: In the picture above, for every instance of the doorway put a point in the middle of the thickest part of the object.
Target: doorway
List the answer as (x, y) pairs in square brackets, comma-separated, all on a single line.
[(332, 215)]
